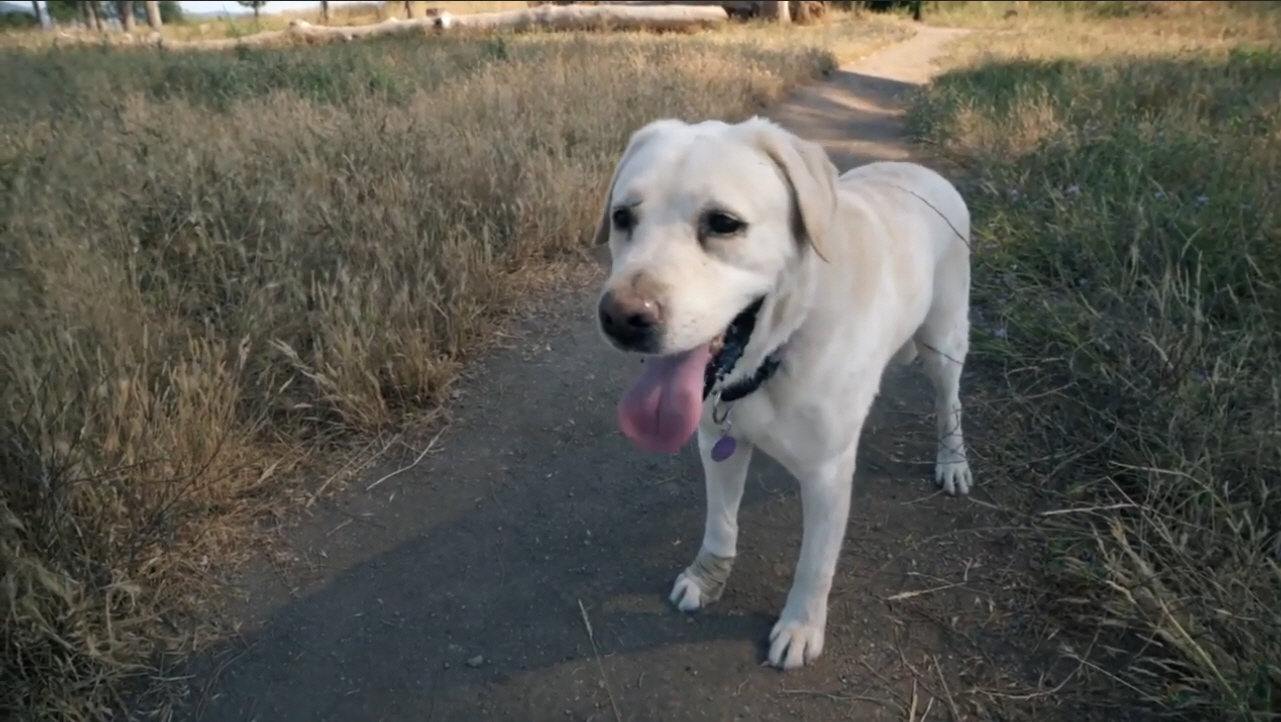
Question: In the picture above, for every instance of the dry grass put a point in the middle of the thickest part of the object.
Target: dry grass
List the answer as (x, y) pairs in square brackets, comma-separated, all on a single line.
[(1199, 21), (1128, 281), (219, 267)]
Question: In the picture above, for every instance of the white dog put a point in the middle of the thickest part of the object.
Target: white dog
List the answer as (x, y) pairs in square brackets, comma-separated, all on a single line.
[(768, 296)]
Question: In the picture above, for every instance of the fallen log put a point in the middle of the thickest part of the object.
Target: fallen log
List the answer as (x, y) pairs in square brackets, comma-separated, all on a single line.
[(593, 17), (549, 17), (303, 31), (803, 12)]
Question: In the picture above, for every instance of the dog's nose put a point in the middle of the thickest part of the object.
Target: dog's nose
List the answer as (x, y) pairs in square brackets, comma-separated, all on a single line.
[(631, 319)]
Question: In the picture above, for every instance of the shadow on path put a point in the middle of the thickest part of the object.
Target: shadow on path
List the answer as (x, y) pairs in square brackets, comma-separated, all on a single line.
[(533, 505)]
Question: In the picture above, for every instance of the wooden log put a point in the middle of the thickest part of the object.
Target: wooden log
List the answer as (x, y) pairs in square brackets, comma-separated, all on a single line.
[(303, 31), (550, 17), (593, 17), (742, 9)]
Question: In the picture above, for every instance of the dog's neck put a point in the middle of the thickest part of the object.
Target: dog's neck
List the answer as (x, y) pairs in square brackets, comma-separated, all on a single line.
[(783, 312)]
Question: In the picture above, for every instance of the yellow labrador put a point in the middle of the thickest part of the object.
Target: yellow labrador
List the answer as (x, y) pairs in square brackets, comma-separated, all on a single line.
[(767, 297)]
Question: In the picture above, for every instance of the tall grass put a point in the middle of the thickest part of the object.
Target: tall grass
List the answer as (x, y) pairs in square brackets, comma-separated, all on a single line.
[(1128, 290), (1203, 19), (217, 265)]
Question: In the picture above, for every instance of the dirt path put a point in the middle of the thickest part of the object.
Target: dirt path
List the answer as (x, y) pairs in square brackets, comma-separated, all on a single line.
[(462, 590)]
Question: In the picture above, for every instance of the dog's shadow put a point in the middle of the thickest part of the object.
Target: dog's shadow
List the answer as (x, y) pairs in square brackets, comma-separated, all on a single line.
[(538, 523)]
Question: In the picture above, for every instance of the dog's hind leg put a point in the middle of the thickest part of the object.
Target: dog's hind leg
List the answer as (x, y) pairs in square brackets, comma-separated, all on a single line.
[(703, 581), (906, 354), (943, 341)]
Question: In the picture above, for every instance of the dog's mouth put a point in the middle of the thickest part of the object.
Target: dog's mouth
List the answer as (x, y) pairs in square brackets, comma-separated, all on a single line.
[(660, 412), (716, 345)]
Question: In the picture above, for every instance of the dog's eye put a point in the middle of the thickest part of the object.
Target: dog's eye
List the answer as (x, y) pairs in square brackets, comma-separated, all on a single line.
[(624, 219), (718, 223)]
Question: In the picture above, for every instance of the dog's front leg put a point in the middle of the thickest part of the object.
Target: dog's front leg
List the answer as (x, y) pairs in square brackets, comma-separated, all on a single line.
[(797, 638), (703, 581)]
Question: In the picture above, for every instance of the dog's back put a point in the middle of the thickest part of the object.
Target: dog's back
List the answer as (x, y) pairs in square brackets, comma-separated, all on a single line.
[(921, 193)]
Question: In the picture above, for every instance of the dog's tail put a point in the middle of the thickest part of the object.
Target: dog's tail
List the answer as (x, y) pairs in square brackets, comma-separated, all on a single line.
[(906, 354)]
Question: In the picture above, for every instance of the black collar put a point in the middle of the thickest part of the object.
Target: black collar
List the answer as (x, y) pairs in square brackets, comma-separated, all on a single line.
[(736, 338)]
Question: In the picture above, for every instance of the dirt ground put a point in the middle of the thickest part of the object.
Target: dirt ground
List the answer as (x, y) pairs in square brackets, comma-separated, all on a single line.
[(520, 572)]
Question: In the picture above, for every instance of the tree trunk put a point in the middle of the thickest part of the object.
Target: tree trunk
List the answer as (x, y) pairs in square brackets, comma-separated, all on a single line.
[(257, 12), (779, 12), (324, 12), (95, 16), (35, 8), (124, 8), (153, 15)]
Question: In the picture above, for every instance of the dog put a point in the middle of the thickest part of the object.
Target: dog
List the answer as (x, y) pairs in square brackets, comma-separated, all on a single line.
[(766, 296)]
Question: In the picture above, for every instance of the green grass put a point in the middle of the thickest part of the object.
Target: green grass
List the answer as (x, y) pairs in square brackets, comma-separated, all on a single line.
[(223, 270), (1123, 180)]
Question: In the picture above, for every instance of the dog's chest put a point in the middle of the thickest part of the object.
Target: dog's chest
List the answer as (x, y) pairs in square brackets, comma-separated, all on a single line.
[(789, 432)]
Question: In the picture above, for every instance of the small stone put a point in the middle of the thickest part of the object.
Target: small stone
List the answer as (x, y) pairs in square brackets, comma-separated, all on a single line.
[(476, 661)]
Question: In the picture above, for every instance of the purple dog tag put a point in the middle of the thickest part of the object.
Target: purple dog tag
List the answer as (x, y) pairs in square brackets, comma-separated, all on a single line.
[(723, 448)]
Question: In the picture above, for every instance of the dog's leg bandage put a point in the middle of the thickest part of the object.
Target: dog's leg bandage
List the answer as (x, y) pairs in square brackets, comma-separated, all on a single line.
[(710, 572)]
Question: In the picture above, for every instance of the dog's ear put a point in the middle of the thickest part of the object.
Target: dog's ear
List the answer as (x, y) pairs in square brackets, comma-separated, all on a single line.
[(638, 140), (810, 175)]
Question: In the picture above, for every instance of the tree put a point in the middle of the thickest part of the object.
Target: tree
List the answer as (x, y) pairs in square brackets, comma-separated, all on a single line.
[(154, 19), (92, 15), (40, 18), (255, 4), (95, 14), (777, 11), (66, 11), (124, 9), (324, 12), (170, 11)]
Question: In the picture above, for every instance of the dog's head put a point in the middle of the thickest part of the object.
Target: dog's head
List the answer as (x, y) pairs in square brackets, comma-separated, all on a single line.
[(702, 220)]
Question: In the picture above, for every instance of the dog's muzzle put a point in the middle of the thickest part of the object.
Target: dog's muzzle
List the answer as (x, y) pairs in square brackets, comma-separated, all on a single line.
[(631, 320)]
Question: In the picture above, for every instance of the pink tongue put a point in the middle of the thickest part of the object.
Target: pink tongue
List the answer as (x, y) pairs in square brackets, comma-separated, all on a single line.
[(660, 412)]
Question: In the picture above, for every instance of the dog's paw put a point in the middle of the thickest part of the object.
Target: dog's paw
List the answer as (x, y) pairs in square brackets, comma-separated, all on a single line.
[(952, 472), (702, 582), (794, 643), (687, 595)]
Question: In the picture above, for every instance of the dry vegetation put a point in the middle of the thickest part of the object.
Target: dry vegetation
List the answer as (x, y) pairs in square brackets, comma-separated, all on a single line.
[(1123, 161), (219, 267)]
